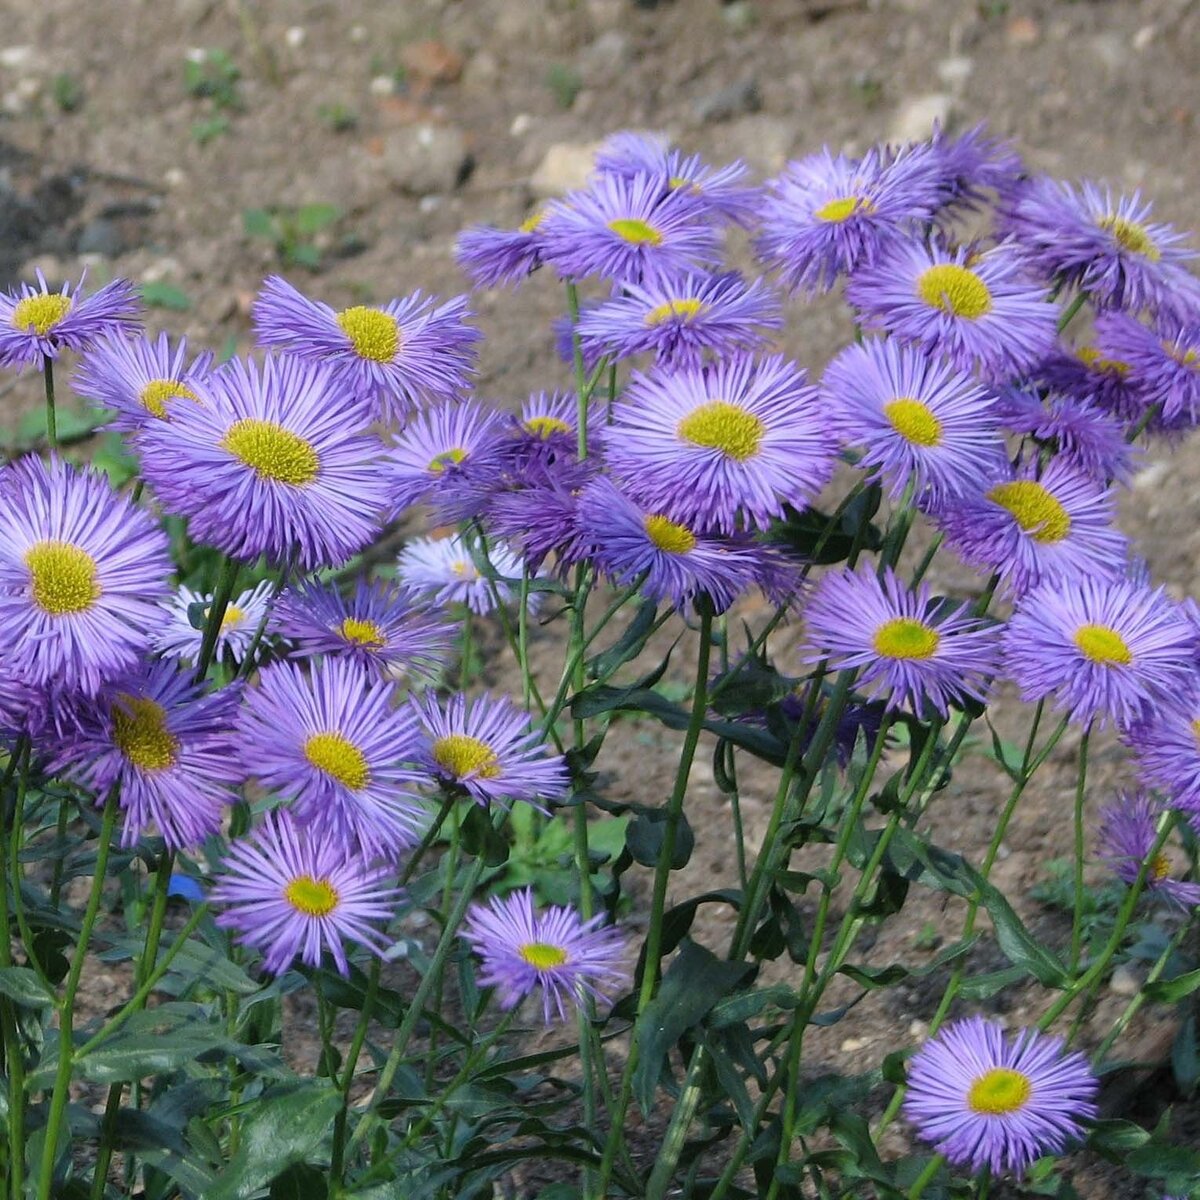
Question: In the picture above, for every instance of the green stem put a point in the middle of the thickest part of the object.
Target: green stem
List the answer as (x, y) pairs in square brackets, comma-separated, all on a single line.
[(216, 615), (51, 418), (1071, 311), (926, 1177), (66, 1012), (10, 1036), (1077, 908), (248, 659), (1136, 430)]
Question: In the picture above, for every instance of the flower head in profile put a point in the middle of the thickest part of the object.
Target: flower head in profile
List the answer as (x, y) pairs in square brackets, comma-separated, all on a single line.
[(1028, 527), (681, 320), (166, 744), (917, 419), (36, 323), (395, 355), (187, 613), (1128, 832), (975, 308), (1100, 242), (443, 571), (290, 895), (82, 571), (538, 515), (1166, 748), (1162, 363), (332, 741), (628, 230), (554, 951), (377, 626), (722, 446), (501, 257), (912, 650), (485, 746), (962, 168), (1092, 373), (138, 378), (985, 1100), (827, 215), (275, 460), (1105, 650)]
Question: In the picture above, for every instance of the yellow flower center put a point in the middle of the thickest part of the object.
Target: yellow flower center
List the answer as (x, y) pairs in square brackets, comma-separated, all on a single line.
[(275, 453), (63, 577), (719, 425), (39, 314), (904, 637), (842, 209), (913, 421), (234, 617), (545, 427), (533, 222), (312, 897), (542, 956), (141, 734), (373, 333), (1097, 363), (362, 633), (1160, 868), (1131, 236), (999, 1092), (668, 535), (339, 758), (460, 755), (687, 309), (1034, 509), (157, 392), (954, 290), (1102, 645), (1185, 358), (447, 458), (1195, 726), (636, 231)]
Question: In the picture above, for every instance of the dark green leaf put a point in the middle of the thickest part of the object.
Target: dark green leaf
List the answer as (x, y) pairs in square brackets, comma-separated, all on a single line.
[(300, 1182), (645, 835), (629, 645), (1185, 1056), (23, 987), (1170, 991), (1115, 1139), (160, 294)]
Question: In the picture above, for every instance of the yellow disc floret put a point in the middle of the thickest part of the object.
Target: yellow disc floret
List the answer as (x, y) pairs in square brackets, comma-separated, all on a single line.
[(842, 209), (362, 633), (999, 1091), (275, 453), (460, 755), (62, 577), (913, 421), (447, 458), (542, 956), (719, 425), (636, 231), (1099, 365), (544, 427), (373, 333), (686, 309), (1034, 509), (1131, 235), (1103, 645), (954, 290), (339, 758), (905, 637), (312, 897), (141, 734), (157, 392), (669, 535), (39, 314)]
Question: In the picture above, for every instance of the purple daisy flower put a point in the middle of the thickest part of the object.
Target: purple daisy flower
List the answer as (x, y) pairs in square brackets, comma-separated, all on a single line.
[(291, 895), (167, 745), (139, 378), (484, 745), (916, 418), (501, 257), (556, 951), (537, 517), (396, 354), (275, 460), (681, 321), (1166, 748), (734, 441), (631, 229), (828, 215), (913, 650), (1164, 361), (1105, 245), (437, 448), (976, 308), (442, 571), (332, 742), (36, 323), (1028, 527), (182, 636), (960, 169), (81, 573), (987, 1102), (629, 541), (1105, 650), (1128, 831), (378, 627), (1075, 431), (548, 428)]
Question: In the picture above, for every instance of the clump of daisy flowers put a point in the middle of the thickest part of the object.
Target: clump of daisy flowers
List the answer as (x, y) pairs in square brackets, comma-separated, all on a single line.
[(351, 679)]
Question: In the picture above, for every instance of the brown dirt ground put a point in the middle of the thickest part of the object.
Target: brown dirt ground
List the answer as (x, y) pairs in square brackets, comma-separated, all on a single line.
[(1096, 89)]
